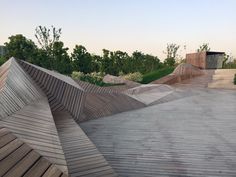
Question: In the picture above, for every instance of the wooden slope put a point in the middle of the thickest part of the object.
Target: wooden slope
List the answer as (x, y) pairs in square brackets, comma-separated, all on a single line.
[(100, 102), (18, 159), (17, 89), (83, 158), (63, 92), (34, 125)]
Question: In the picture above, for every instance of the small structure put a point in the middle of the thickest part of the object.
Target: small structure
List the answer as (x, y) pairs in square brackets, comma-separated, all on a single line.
[(206, 60), (2, 50)]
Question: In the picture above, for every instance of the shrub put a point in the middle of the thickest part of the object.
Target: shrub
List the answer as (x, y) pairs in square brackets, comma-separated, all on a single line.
[(235, 79), (77, 75), (154, 75), (93, 78), (136, 77)]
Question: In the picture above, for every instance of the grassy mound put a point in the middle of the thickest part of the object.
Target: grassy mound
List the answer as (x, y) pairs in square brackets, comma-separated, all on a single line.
[(154, 75)]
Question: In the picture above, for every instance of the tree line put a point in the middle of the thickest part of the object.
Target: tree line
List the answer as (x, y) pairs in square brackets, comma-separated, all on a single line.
[(51, 53)]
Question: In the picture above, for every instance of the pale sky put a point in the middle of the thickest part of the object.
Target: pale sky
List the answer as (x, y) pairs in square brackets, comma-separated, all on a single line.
[(127, 25)]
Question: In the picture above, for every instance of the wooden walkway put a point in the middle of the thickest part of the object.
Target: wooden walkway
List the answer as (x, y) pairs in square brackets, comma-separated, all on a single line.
[(83, 158), (189, 137), (17, 159), (34, 125)]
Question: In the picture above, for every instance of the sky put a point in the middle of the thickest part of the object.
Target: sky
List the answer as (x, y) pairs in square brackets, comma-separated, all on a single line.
[(127, 25)]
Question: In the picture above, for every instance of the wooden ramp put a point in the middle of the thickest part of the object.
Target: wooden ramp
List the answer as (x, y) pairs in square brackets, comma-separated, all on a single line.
[(83, 158), (35, 143), (17, 89), (35, 125), (102, 101), (18, 159)]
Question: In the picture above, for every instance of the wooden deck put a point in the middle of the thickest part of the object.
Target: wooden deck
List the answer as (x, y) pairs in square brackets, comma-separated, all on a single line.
[(17, 159), (35, 125), (102, 101), (190, 136), (63, 92), (83, 158), (17, 89)]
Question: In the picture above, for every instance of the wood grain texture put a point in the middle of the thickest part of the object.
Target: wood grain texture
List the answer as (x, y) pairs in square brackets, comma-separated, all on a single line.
[(34, 125), (192, 136), (18, 159), (102, 101), (17, 89), (83, 158), (62, 91)]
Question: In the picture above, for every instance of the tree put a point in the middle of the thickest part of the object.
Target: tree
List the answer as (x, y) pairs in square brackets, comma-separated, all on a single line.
[(204, 47), (81, 59), (106, 63), (2, 60), (171, 52), (61, 61), (47, 37), (95, 63), (20, 47)]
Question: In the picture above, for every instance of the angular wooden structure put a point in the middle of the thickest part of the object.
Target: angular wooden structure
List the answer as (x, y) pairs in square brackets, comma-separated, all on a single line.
[(206, 60), (40, 112)]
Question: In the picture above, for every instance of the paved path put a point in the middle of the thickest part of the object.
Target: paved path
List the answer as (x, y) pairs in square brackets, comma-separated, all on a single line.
[(193, 135)]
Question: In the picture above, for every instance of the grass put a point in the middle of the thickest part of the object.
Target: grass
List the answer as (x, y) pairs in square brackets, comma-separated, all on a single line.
[(154, 75)]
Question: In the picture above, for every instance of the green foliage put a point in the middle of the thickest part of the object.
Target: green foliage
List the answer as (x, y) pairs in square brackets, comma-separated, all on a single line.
[(93, 78), (154, 75), (81, 59), (2, 60), (171, 54), (61, 61), (120, 62), (136, 77), (52, 54), (204, 47), (20, 47), (77, 75), (47, 37), (231, 64)]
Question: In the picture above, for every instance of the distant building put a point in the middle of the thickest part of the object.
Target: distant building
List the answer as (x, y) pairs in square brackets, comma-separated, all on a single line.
[(2, 50), (206, 60)]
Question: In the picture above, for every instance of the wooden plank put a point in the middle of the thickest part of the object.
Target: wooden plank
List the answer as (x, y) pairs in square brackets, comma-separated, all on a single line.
[(14, 96), (22, 166), (38, 169), (13, 158), (6, 139), (52, 171), (58, 88), (82, 156), (34, 124), (9, 148)]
